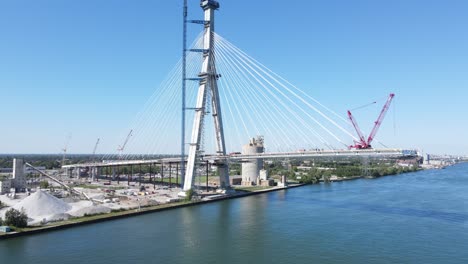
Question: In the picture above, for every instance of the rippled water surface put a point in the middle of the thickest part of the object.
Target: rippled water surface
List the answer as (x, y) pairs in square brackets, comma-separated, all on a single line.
[(412, 218)]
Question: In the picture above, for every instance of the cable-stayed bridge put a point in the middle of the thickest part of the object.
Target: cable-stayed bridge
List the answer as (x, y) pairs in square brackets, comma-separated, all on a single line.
[(244, 99), (385, 153)]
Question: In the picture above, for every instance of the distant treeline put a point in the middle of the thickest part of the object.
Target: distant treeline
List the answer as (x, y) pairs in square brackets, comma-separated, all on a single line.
[(48, 161), (52, 161), (375, 170)]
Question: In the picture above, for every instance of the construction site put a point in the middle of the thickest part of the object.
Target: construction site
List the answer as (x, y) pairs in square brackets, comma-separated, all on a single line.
[(270, 128), (94, 185)]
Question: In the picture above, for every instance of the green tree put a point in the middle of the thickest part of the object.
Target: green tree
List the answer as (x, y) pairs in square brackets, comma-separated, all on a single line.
[(1, 221), (44, 184), (313, 176), (189, 195), (16, 218)]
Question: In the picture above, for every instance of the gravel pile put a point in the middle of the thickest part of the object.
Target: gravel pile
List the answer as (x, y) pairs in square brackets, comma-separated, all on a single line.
[(91, 210), (42, 205)]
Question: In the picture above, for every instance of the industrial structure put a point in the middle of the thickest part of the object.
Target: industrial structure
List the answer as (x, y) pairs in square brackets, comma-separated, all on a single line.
[(65, 149), (17, 182), (251, 167)]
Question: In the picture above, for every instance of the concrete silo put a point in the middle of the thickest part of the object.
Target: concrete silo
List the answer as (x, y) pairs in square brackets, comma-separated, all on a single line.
[(251, 167)]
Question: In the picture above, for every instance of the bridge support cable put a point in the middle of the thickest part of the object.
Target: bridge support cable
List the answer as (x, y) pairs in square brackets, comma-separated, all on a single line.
[(236, 97), (267, 111), (142, 125), (251, 101), (267, 84), (229, 102), (282, 79), (282, 93), (257, 102), (164, 118), (158, 116), (148, 130), (258, 78), (254, 90), (267, 77)]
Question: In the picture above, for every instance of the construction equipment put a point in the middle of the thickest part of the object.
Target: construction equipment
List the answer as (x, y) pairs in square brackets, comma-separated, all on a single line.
[(121, 148), (95, 148), (72, 190), (363, 143), (65, 148)]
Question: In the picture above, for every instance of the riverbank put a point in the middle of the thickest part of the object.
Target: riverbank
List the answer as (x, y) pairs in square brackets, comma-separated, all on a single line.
[(408, 218), (240, 192), (135, 212)]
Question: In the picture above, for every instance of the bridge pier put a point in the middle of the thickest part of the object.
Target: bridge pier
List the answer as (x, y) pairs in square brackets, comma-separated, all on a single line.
[(113, 173)]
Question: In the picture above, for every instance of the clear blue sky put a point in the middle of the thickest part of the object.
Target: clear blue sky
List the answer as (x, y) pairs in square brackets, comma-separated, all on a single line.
[(87, 66)]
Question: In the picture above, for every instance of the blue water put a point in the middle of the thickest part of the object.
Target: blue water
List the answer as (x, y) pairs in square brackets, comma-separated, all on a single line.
[(418, 217)]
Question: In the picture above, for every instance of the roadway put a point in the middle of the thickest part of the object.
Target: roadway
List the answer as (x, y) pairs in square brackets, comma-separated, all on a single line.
[(381, 153)]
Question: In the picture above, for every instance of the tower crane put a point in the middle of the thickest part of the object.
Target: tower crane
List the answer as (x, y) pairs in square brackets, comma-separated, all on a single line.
[(363, 143), (121, 148)]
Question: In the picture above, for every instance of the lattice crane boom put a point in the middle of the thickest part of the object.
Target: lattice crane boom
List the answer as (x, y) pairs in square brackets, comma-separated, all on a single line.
[(363, 143), (95, 147), (121, 148), (362, 139), (65, 148), (380, 118)]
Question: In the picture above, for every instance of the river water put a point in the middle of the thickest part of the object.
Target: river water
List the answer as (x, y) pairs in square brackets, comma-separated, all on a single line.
[(418, 217)]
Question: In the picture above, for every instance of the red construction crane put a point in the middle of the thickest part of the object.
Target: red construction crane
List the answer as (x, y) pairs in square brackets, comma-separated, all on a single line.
[(363, 143)]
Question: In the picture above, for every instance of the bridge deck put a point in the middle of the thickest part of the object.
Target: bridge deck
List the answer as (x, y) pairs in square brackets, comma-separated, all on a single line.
[(395, 153)]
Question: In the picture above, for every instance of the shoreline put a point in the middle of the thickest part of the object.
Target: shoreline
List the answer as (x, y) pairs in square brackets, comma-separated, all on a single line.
[(86, 220), (80, 221)]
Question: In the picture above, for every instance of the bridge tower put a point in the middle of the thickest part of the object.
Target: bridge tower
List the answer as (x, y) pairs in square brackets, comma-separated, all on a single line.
[(208, 87)]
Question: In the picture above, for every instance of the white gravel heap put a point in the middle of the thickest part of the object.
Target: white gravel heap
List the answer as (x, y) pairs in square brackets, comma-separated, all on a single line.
[(82, 208), (42, 205), (91, 210)]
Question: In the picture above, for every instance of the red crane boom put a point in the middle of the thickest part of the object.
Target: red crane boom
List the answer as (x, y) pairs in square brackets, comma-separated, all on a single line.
[(380, 119), (362, 141), (363, 144)]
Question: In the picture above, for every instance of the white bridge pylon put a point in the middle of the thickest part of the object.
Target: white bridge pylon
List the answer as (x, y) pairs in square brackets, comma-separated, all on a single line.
[(208, 84)]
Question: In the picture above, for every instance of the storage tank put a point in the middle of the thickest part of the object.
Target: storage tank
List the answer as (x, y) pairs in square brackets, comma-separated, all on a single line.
[(251, 167)]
